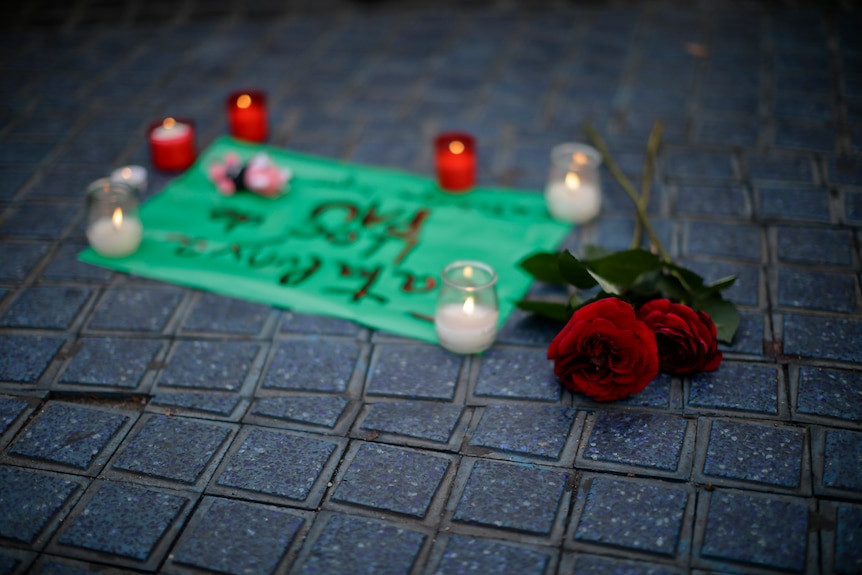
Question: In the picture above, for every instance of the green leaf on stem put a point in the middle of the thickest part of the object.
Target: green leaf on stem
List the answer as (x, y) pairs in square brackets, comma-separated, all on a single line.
[(723, 314), (575, 272), (544, 266), (623, 268)]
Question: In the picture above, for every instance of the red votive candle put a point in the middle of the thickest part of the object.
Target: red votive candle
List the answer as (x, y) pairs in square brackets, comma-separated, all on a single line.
[(172, 144), (456, 161), (246, 114)]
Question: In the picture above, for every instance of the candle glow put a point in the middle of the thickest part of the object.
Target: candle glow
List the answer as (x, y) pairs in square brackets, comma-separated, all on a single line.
[(456, 147), (573, 182), (117, 218), (469, 306), (243, 101)]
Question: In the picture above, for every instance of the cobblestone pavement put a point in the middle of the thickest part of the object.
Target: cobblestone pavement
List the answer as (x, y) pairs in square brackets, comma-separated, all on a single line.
[(196, 433)]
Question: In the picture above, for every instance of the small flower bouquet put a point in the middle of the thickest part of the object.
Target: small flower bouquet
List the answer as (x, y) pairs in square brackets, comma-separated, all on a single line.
[(645, 313)]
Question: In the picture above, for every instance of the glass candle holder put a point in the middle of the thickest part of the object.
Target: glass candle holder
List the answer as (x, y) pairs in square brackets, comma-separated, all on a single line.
[(467, 313), (573, 192), (113, 226), (455, 159)]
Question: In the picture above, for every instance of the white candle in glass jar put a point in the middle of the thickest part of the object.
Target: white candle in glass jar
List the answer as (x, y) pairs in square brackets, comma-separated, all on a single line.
[(466, 327), (116, 236), (573, 199)]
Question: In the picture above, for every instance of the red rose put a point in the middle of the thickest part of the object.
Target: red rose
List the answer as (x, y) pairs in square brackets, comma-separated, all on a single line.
[(604, 351), (686, 339)]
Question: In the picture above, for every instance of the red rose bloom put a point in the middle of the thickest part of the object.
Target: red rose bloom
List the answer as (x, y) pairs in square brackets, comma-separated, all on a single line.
[(686, 339), (604, 351)]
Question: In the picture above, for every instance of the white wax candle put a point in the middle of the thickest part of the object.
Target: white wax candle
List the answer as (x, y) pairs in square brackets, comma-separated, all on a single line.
[(115, 240), (135, 176), (169, 131), (577, 204), (469, 330)]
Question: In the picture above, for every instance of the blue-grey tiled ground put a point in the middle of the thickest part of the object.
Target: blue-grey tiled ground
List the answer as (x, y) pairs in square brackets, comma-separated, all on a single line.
[(148, 427)]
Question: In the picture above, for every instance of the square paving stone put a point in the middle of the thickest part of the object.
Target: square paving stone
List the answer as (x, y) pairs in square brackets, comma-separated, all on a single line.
[(640, 440), (71, 435), (511, 496), (817, 290), (659, 394), (780, 167), (19, 258), (416, 371), (794, 203), (136, 308), (808, 245), (428, 420), (207, 402), (205, 364), (294, 322), (322, 410), (30, 500), (389, 478), (228, 536), (39, 220), (696, 164), (220, 314), (278, 465), (753, 530), (524, 328), (517, 373), (110, 362), (830, 393), (65, 265), (45, 307), (750, 335), (23, 358), (527, 430), (172, 448), (378, 547), (634, 515), (319, 365), (596, 565), (746, 387), (146, 517), (842, 460), (10, 410), (730, 200), (848, 530), (738, 241), (845, 170), (823, 337), (464, 555)]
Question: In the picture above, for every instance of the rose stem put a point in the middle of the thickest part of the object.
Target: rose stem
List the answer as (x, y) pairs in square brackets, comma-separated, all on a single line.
[(629, 189), (646, 176)]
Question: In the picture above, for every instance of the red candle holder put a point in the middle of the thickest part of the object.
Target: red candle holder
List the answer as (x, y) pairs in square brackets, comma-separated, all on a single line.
[(246, 113), (456, 161), (172, 144)]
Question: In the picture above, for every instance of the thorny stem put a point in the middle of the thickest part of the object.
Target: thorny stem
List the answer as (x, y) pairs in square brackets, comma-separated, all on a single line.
[(646, 176), (621, 178)]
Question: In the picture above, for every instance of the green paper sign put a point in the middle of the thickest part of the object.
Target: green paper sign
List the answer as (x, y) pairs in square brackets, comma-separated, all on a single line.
[(355, 242)]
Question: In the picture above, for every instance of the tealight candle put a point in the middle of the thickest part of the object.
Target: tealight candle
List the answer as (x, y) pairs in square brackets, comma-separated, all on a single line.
[(113, 226), (172, 144), (246, 112), (466, 316), (135, 176), (573, 192), (455, 154)]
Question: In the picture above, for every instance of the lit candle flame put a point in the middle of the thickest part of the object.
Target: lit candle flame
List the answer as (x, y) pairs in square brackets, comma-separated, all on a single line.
[(573, 182), (580, 158), (126, 173), (244, 101), (469, 305), (169, 123), (117, 218), (468, 271), (456, 147)]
